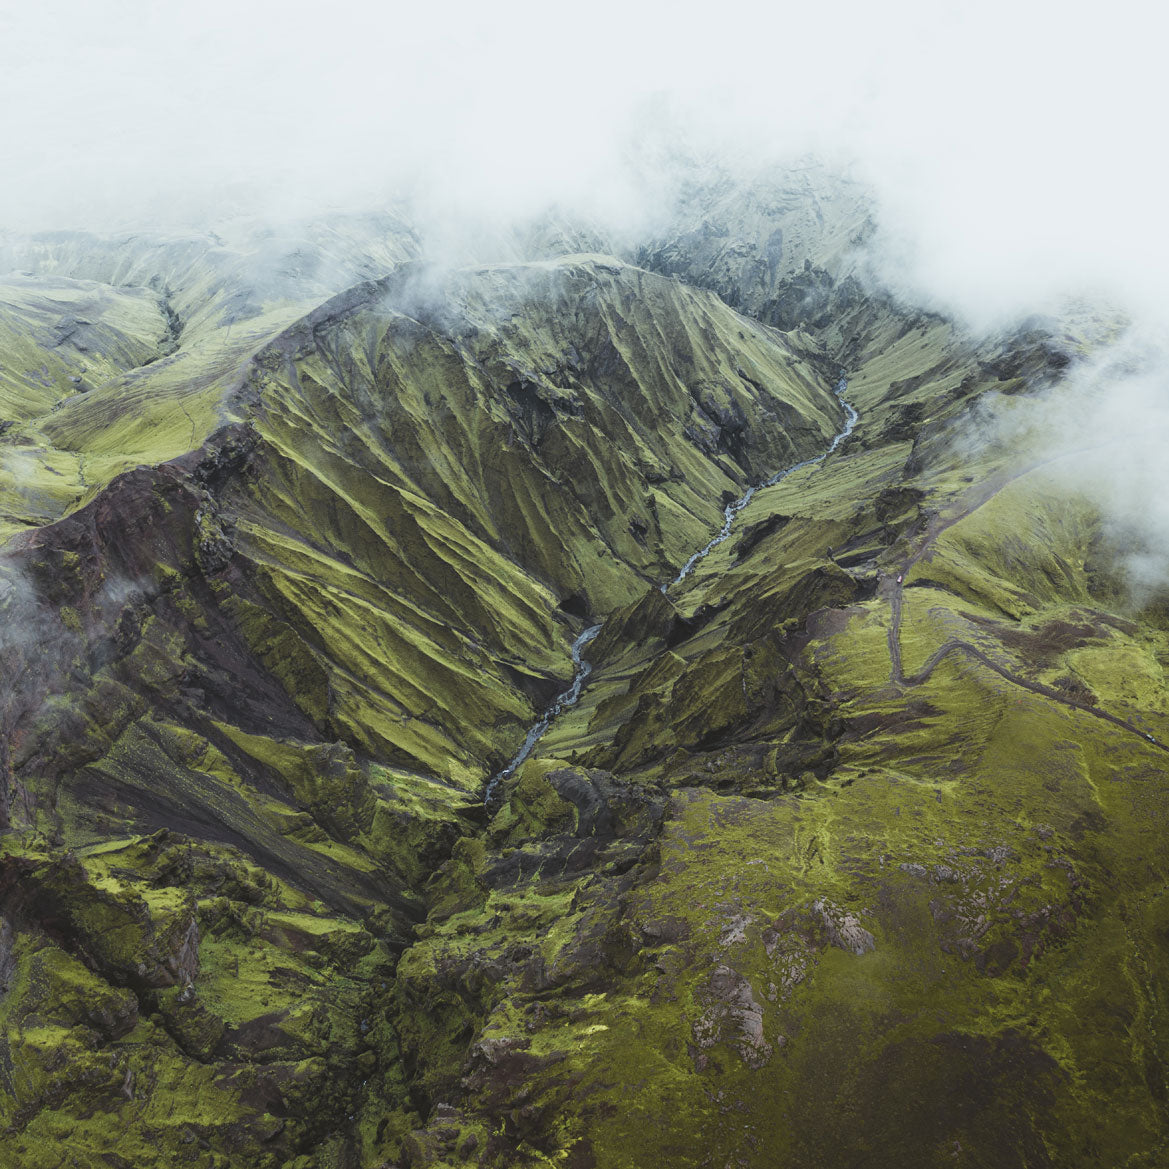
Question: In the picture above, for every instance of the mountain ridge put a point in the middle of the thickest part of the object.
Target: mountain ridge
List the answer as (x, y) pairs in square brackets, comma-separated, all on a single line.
[(827, 862)]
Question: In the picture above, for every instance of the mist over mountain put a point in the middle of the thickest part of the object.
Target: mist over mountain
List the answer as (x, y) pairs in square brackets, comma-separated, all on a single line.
[(582, 588)]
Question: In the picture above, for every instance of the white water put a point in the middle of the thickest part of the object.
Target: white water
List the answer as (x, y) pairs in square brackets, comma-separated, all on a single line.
[(733, 509), (567, 699), (584, 669)]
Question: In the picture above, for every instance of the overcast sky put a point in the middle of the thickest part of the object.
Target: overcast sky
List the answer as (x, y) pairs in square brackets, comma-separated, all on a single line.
[(1017, 148)]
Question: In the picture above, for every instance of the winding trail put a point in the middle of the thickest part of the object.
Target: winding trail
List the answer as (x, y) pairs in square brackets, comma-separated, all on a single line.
[(583, 668), (956, 645), (893, 590)]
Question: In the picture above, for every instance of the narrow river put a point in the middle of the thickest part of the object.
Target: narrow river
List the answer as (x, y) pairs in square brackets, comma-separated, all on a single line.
[(583, 669), (733, 509), (567, 699)]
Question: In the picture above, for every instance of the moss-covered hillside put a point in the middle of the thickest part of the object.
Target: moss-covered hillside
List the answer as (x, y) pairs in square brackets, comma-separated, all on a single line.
[(849, 854)]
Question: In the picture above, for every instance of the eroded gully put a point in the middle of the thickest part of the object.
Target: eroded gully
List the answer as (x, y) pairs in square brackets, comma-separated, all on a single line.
[(583, 669)]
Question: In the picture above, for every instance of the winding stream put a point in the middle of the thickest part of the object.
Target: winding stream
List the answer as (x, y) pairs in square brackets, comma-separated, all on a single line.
[(583, 669), (567, 699), (733, 509)]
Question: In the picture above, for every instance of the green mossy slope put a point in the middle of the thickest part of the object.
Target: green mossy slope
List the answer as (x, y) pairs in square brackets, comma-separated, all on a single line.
[(494, 450), (884, 918), (850, 853), (256, 684)]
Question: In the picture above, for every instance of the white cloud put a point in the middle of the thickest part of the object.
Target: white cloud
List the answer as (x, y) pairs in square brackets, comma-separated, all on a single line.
[(1101, 432), (1015, 147)]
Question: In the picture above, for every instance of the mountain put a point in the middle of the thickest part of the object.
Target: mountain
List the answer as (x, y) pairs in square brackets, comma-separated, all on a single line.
[(849, 852)]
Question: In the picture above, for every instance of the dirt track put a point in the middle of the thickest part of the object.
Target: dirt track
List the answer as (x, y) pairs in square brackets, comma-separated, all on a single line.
[(893, 588)]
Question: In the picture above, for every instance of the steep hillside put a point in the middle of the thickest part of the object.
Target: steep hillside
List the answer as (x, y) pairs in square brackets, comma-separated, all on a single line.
[(848, 853), (780, 246), (127, 350), (834, 858), (255, 691)]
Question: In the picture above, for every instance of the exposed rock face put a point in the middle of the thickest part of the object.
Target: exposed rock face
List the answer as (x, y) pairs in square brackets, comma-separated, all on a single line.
[(733, 1015), (844, 929), (836, 860)]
